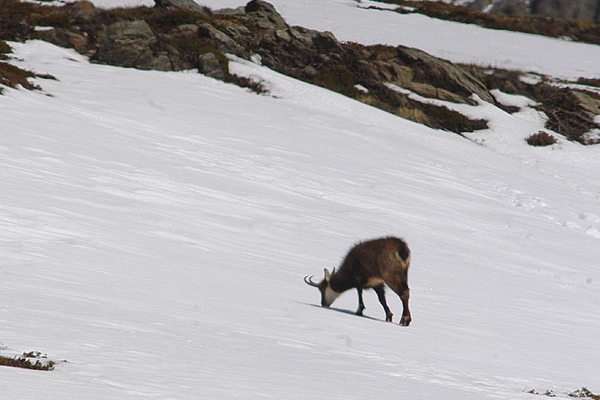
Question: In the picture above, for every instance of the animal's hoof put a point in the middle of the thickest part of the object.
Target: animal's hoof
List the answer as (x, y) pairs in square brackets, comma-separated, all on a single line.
[(405, 321), (389, 318)]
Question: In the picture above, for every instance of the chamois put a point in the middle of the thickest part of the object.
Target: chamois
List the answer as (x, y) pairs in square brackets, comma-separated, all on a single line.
[(367, 265)]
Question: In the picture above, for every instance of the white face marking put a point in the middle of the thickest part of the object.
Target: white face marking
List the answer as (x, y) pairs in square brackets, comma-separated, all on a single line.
[(330, 296)]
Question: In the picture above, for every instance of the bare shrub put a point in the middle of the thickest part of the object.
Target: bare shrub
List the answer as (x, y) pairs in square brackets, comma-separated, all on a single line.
[(541, 139)]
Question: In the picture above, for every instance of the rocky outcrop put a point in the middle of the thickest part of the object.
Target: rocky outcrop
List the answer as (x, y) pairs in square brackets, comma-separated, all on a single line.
[(184, 36), (449, 80), (264, 14), (307, 54), (132, 44), (316, 56)]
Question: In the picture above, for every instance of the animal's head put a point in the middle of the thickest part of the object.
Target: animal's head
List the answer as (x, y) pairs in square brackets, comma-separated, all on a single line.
[(328, 295)]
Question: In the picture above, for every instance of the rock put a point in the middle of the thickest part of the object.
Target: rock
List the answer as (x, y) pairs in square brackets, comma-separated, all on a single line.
[(431, 92), (586, 10), (64, 38), (239, 11), (223, 42), (184, 30), (264, 14), (310, 38), (588, 103), (82, 6), (302, 35), (390, 71), (283, 35), (510, 7), (325, 40), (443, 74), (131, 44), (209, 66), (182, 33), (238, 33), (83, 13), (181, 4), (161, 62)]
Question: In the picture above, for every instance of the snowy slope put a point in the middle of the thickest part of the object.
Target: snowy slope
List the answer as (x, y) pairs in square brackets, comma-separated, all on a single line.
[(155, 229)]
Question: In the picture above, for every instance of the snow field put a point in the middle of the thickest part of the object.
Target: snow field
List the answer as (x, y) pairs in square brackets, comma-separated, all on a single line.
[(156, 228)]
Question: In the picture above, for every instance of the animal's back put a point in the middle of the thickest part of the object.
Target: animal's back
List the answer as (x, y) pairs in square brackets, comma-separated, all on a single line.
[(380, 252)]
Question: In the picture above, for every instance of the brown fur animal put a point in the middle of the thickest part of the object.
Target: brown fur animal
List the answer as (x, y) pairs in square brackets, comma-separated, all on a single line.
[(370, 265)]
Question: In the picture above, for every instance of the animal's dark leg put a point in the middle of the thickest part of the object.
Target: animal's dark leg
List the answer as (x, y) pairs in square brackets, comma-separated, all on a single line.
[(401, 289), (361, 305), (405, 321), (380, 290)]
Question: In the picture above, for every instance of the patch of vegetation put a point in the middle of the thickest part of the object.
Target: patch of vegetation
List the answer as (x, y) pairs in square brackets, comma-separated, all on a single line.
[(587, 32), (338, 78), (131, 13), (167, 20), (584, 393), (413, 114), (225, 20), (442, 117), (12, 76), (4, 50), (197, 46), (159, 19), (25, 361), (563, 108), (11, 13), (541, 139), (56, 19), (247, 83), (548, 393), (589, 82)]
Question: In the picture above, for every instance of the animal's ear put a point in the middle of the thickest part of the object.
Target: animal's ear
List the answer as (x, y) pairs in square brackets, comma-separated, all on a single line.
[(327, 275)]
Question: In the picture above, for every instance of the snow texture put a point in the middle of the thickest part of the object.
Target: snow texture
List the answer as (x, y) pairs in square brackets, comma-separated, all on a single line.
[(155, 228)]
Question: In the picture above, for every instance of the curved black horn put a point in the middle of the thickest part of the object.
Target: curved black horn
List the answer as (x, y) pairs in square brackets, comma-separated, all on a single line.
[(309, 281)]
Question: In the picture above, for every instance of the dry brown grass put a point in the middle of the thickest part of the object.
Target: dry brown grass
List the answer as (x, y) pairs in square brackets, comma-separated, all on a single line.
[(413, 114), (541, 139), (12, 76)]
